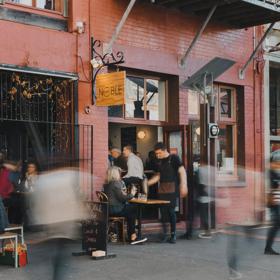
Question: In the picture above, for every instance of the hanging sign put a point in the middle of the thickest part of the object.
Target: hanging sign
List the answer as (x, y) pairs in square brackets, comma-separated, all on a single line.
[(213, 130), (110, 89)]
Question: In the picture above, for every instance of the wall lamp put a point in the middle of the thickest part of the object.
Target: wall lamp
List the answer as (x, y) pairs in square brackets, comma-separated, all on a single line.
[(141, 134), (99, 61), (80, 27)]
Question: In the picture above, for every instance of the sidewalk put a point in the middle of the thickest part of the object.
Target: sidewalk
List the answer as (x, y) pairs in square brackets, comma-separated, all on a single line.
[(188, 259)]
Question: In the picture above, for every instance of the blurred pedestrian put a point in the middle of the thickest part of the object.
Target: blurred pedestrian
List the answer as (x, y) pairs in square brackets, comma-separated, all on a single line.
[(274, 202), (57, 206), (204, 200)]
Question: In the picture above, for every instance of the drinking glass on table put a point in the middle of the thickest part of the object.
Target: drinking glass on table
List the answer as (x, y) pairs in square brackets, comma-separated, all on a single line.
[(142, 196)]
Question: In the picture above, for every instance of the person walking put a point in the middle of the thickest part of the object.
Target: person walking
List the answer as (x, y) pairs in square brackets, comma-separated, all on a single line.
[(172, 178), (274, 202)]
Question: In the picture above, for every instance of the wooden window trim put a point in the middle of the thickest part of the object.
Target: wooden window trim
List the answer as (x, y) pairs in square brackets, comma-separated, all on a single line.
[(234, 105), (36, 10), (234, 176), (232, 122), (144, 120)]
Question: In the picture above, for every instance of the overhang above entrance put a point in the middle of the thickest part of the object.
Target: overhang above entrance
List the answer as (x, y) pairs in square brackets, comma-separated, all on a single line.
[(236, 13), (216, 67)]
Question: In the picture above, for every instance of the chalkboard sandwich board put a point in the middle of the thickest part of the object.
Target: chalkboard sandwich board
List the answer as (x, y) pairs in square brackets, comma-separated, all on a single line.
[(94, 231)]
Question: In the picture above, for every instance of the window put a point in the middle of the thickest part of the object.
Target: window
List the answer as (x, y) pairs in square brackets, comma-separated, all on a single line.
[(56, 5), (274, 101), (226, 148), (145, 99)]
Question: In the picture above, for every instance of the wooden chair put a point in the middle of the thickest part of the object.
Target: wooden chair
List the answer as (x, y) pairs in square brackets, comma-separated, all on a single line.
[(120, 221)]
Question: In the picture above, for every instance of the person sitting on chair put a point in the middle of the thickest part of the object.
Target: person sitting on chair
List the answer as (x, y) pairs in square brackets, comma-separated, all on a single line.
[(118, 206)]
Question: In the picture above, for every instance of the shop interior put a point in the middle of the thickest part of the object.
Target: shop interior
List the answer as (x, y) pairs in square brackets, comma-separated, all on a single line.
[(141, 137)]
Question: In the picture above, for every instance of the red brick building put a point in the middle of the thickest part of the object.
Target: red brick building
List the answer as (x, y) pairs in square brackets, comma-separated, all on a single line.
[(52, 39)]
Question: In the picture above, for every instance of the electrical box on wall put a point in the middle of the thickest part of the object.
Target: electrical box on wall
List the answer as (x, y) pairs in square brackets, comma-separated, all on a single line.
[(213, 130)]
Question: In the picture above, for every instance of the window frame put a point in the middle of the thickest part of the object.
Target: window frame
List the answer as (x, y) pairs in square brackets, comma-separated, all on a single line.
[(59, 10), (144, 120), (232, 121)]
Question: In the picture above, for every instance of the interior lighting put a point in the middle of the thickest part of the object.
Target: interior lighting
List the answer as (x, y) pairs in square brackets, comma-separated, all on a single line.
[(141, 134)]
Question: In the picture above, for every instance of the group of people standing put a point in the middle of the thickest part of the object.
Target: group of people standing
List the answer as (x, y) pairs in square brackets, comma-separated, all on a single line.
[(13, 183), (169, 174)]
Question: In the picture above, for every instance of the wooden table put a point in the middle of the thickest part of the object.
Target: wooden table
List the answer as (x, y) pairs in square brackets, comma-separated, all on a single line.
[(148, 202)]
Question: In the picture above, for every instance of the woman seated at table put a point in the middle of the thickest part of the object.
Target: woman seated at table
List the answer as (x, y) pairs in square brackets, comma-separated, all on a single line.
[(118, 202)]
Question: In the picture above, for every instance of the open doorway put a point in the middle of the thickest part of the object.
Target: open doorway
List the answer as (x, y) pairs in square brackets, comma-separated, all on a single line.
[(141, 137)]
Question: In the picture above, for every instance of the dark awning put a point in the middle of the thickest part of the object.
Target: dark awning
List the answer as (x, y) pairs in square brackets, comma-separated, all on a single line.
[(216, 67), (237, 13)]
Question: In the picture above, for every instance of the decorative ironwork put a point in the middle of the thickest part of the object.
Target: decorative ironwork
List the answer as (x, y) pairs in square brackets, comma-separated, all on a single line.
[(35, 97), (99, 61)]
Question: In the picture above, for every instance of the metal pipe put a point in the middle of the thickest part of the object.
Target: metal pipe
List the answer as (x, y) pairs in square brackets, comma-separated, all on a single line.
[(242, 70), (120, 25), (198, 35)]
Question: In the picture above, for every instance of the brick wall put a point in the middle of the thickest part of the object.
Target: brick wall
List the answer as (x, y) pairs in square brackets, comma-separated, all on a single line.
[(154, 38)]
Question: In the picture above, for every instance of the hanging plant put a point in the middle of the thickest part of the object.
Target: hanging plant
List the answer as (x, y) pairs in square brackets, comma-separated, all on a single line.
[(53, 89)]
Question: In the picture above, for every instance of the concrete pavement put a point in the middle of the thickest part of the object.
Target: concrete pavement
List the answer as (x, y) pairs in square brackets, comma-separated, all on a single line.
[(188, 259)]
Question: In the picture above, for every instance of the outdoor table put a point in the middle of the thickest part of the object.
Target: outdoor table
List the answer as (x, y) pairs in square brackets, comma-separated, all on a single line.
[(142, 203)]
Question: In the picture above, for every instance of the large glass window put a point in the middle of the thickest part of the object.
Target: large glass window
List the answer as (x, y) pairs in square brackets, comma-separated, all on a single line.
[(144, 99), (274, 101)]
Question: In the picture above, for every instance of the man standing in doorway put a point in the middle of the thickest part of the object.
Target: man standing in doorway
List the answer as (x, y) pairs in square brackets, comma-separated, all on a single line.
[(135, 169), (171, 177)]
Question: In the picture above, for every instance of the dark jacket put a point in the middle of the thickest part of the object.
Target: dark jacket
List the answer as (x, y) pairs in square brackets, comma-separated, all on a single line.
[(3, 217), (116, 197)]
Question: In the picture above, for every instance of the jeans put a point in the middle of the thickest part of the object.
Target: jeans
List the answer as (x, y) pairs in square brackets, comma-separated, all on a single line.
[(130, 212), (168, 214)]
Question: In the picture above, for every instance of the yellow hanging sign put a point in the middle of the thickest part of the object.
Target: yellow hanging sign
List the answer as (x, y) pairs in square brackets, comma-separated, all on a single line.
[(110, 89)]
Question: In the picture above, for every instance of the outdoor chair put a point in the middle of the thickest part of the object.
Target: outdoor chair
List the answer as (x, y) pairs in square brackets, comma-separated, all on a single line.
[(113, 220), (15, 227)]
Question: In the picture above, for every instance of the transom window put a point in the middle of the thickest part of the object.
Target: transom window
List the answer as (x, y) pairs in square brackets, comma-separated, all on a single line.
[(56, 5), (144, 99)]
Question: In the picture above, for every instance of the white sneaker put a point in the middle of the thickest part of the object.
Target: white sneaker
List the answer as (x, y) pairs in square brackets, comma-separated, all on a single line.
[(234, 275), (205, 235), (138, 241)]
